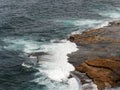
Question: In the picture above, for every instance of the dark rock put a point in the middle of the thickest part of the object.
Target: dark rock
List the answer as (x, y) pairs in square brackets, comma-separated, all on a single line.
[(37, 54)]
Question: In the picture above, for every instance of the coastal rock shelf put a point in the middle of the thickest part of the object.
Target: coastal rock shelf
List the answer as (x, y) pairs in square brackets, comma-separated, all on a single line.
[(99, 55)]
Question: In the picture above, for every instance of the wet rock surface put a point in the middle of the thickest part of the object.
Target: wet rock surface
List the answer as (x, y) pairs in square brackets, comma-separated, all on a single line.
[(99, 55)]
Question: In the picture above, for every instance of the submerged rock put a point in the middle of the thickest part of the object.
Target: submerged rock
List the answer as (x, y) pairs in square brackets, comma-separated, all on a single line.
[(99, 55), (37, 54), (36, 59)]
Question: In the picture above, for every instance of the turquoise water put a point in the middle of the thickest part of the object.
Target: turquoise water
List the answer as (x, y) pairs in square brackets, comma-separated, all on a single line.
[(35, 26)]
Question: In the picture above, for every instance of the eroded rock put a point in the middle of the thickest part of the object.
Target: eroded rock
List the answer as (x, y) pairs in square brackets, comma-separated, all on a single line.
[(99, 55), (104, 72)]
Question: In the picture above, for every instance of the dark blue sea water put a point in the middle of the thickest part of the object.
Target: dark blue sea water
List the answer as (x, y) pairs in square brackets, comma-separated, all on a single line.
[(32, 26)]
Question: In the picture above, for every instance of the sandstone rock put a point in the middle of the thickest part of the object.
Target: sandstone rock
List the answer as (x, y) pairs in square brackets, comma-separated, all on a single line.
[(111, 64), (105, 34), (96, 38), (99, 55), (104, 72)]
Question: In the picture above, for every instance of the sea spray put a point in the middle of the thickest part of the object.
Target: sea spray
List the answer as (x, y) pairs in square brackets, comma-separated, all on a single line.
[(55, 65), (58, 62)]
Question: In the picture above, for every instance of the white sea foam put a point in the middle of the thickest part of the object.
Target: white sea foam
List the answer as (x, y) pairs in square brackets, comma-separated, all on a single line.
[(71, 84), (27, 46), (76, 32), (80, 22), (113, 14), (55, 65), (93, 25), (87, 22), (58, 66), (25, 65), (89, 86), (84, 24), (74, 85), (104, 23)]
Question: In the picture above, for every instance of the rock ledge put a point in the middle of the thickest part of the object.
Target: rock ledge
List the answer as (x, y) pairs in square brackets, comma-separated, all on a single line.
[(99, 55)]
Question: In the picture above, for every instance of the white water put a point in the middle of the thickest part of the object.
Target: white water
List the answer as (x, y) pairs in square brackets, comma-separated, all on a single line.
[(84, 24), (55, 65), (89, 86), (59, 68), (93, 25), (21, 44), (80, 22), (56, 62), (113, 14)]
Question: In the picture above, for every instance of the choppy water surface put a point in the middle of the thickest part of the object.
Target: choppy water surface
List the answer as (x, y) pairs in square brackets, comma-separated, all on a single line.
[(34, 26)]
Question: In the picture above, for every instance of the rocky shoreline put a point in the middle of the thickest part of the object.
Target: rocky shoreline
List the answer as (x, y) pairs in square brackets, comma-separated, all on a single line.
[(98, 55)]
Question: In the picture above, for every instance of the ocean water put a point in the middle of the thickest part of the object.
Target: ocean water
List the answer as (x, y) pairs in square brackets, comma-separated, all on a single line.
[(28, 26)]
